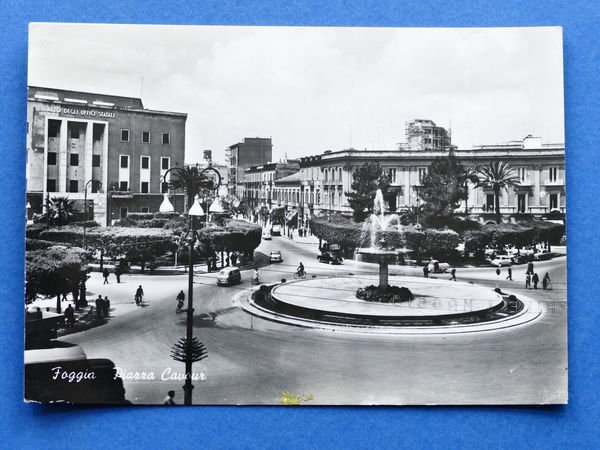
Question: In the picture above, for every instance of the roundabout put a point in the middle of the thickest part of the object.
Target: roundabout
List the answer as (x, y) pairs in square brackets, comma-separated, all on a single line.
[(437, 306)]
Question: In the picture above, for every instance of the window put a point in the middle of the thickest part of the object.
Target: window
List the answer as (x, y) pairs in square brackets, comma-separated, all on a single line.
[(124, 135), (124, 186), (166, 138), (145, 137), (123, 213), (144, 187), (145, 162), (73, 186), (522, 173), (74, 132), (51, 185), (164, 163), (95, 160), (422, 173), (521, 203), (124, 161), (553, 174), (51, 158), (145, 209), (553, 201), (74, 160), (392, 175), (164, 188)]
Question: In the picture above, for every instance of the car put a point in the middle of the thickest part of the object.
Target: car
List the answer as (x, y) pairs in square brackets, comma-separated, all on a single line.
[(329, 258), (502, 261), (276, 230), (435, 266), (276, 257), (542, 255), (229, 276), (266, 235), (521, 259)]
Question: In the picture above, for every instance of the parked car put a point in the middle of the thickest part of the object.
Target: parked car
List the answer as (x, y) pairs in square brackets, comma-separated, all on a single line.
[(542, 255), (329, 258), (266, 235), (435, 266), (502, 261), (521, 258), (276, 230), (276, 257), (229, 276)]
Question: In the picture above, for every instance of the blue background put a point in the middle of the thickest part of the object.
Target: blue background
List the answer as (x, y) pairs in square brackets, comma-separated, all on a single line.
[(23, 425)]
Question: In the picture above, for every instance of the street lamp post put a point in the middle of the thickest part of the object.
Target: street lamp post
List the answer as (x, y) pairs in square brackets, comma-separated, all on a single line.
[(98, 183), (189, 349)]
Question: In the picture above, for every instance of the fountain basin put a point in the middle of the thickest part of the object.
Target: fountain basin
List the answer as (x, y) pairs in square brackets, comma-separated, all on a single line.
[(432, 298)]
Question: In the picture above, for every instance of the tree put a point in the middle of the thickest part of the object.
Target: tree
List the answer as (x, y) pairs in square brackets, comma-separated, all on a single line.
[(498, 175), (365, 182), (53, 272), (192, 180), (410, 216), (60, 210), (443, 187)]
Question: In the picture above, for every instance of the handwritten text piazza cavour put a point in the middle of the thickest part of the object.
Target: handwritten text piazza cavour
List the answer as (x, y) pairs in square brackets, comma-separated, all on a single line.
[(75, 111)]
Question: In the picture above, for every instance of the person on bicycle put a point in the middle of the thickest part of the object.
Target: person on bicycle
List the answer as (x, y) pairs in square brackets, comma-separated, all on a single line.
[(546, 281), (180, 299), (139, 294), (300, 270)]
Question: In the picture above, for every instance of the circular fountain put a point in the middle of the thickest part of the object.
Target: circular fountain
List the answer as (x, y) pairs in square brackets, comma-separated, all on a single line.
[(410, 302)]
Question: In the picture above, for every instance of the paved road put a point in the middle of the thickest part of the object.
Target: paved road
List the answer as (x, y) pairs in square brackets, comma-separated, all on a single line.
[(254, 361)]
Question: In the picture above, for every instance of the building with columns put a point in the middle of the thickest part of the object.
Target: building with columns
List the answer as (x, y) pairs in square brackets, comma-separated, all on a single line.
[(320, 185), (75, 137)]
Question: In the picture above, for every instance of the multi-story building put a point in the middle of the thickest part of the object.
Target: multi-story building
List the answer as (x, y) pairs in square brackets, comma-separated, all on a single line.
[(259, 181), (321, 184), (424, 134), (110, 146), (241, 156)]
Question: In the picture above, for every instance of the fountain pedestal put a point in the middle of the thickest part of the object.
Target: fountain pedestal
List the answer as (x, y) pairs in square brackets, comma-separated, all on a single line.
[(383, 257)]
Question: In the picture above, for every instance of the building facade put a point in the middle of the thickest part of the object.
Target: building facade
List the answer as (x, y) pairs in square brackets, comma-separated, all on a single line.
[(320, 186), (110, 146), (251, 152), (259, 182)]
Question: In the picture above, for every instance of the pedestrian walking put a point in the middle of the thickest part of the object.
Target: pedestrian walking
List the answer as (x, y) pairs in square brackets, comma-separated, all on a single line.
[(546, 281), (169, 399), (509, 277), (233, 258), (527, 281), (453, 274), (106, 306), (70, 316), (118, 273), (105, 274), (535, 280), (99, 302), (426, 271), (139, 295)]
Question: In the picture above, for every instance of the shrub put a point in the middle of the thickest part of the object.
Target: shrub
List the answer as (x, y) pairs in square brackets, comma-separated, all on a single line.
[(389, 294)]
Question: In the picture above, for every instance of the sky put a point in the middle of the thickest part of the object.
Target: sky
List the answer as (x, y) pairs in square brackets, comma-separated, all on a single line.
[(316, 89)]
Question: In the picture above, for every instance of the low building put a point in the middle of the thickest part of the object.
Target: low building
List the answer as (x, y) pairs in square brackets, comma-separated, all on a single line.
[(259, 182), (106, 148)]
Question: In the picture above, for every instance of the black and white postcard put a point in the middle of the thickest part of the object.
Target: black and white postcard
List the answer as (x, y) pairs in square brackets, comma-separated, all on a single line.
[(295, 216)]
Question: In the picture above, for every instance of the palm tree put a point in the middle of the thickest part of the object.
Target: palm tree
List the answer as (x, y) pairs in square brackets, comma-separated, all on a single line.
[(192, 181), (60, 210), (497, 175)]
